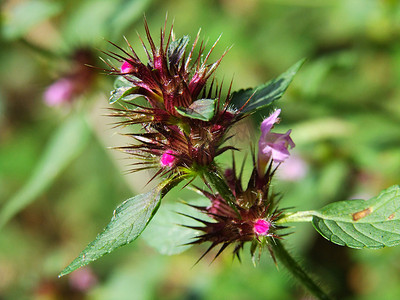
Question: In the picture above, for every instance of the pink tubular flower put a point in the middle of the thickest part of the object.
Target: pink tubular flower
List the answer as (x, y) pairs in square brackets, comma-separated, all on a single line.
[(273, 145), (59, 92), (168, 159)]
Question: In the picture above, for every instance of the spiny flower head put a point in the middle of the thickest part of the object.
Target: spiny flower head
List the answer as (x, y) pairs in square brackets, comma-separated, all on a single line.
[(250, 218), (185, 123)]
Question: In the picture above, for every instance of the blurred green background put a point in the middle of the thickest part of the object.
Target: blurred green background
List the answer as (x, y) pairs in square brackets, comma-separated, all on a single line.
[(343, 107)]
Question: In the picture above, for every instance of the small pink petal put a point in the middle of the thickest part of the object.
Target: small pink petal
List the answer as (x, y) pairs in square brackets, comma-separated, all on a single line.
[(261, 227), (59, 92), (126, 67), (168, 158)]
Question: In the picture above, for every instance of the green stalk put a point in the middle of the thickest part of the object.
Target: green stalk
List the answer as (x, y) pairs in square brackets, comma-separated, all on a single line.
[(297, 271)]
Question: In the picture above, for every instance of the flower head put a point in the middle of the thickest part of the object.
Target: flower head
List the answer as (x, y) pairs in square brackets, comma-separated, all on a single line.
[(251, 217), (184, 122)]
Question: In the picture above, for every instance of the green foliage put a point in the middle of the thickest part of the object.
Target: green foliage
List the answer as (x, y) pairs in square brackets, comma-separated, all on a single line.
[(64, 146), (127, 223), (258, 98), (362, 224), (32, 13), (202, 109)]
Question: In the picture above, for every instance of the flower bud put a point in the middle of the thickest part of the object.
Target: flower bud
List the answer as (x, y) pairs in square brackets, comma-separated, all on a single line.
[(168, 159)]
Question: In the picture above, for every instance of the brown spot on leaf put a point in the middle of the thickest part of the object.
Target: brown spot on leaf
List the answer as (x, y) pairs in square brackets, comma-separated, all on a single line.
[(391, 216), (362, 214)]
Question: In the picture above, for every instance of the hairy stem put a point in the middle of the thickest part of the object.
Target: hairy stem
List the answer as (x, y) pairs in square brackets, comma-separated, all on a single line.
[(297, 271)]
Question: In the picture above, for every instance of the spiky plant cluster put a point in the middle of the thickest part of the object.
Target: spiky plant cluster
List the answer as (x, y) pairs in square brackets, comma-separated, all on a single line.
[(251, 218), (184, 127), (184, 123)]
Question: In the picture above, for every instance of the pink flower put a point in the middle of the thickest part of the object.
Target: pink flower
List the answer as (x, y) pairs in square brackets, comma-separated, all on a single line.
[(168, 158), (59, 92), (261, 227), (273, 145), (83, 279), (294, 169), (126, 67)]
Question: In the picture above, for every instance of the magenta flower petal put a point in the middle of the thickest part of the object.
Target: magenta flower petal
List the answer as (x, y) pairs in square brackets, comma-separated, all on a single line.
[(126, 67), (261, 227), (269, 122), (168, 159)]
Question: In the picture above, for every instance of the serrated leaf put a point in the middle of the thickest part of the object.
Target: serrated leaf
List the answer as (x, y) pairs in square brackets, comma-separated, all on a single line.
[(65, 145), (127, 223), (123, 93), (265, 94), (176, 49), (362, 224), (203, 109)]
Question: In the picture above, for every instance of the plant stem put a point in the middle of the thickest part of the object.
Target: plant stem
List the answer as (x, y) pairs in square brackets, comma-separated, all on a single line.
[(300, 216), (297, 271)]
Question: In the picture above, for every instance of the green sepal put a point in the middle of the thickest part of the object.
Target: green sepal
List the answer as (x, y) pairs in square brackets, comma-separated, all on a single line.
[(203, 109), (123, 93), (215, 180), (252, 99)]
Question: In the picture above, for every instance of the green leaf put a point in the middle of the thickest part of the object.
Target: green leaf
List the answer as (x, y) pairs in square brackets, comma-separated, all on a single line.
[(23, 17), (362, 224), (123, 93), (127, 223), (265, 94), (66, 144), (203, 109), (176, 49)]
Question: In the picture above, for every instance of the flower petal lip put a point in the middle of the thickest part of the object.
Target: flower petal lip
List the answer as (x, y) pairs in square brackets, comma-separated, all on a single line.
[(269, 122)]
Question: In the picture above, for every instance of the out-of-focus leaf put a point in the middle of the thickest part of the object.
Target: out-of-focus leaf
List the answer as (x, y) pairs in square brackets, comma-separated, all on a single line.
[(362, 224), (203, 109), (166, 233), (66, 144), (126, 13), (27, 14), (265, 94), (103, 18), (127, 223)]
